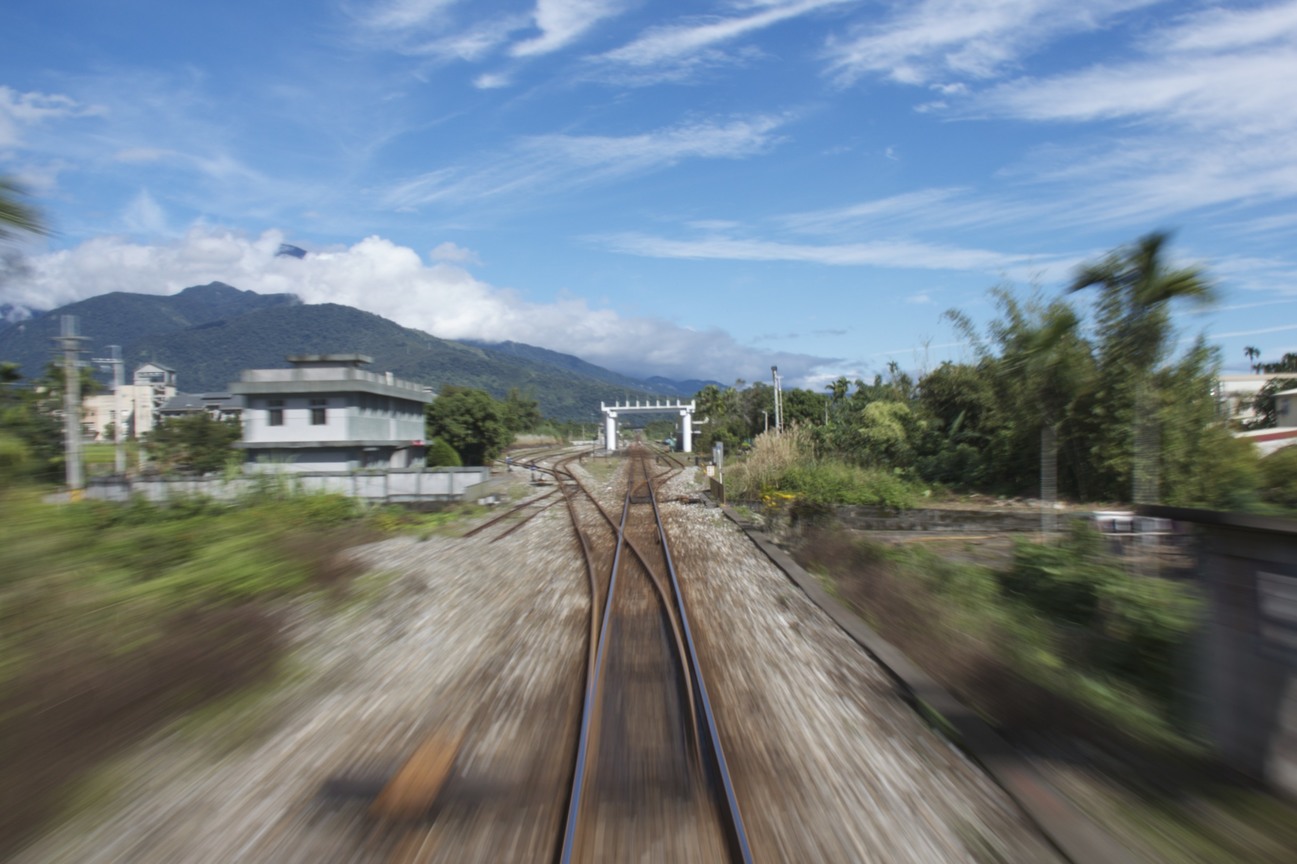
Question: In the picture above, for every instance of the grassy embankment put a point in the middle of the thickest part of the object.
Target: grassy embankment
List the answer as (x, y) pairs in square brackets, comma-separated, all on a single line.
[(117, 619), (1062, 643), (784, 467), (1067, 652)]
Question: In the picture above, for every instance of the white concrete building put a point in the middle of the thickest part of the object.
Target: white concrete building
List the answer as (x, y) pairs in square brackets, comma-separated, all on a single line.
[(135, 404), (326, 413), (1235, 392)]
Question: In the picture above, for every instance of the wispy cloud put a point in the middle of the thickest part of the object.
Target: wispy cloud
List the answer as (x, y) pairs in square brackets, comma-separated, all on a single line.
[(899, 253), (20, 111), (1203, 110), (562, 22), (543, 161), (932, 40), (401, 14), (678, 43)]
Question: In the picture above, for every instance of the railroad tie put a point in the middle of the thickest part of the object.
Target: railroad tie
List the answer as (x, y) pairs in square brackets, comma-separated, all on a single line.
[(410, 794)]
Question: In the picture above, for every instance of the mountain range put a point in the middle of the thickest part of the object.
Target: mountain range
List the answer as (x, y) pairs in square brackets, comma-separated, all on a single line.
[(209, 333)]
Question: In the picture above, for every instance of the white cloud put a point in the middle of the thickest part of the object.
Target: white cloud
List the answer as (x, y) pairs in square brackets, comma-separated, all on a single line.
[(442, 298), (564, 21), (491, 81), (21, 111), (402, 14), (470, 44), (674, 43), (144, 215), (549, 161), (933, 39), (896, 253), (1205, 111), (453, 253)]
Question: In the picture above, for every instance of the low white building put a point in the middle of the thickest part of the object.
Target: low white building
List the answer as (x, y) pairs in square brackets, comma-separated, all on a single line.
[(135, 405), (326, 413)]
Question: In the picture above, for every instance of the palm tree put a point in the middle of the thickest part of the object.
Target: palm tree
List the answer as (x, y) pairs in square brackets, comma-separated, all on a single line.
[(16, 217), (1134, 323)]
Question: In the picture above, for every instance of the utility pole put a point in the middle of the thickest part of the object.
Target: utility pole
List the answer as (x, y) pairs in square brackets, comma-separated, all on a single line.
[(70, 343), (114, 361), (779, 401)]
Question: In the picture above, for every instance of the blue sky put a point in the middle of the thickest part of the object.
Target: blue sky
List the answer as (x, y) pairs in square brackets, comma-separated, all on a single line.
[(694, 189)]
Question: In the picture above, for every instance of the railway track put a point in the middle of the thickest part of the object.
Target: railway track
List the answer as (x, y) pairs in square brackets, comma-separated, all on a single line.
[(650, 780)]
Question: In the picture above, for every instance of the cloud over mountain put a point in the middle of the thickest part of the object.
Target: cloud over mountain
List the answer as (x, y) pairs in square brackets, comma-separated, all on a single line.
[(438, 295)]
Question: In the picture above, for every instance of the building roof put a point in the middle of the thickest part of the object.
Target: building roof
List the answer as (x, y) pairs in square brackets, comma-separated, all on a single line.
[(192, 403), (183, 403), (327, 379)]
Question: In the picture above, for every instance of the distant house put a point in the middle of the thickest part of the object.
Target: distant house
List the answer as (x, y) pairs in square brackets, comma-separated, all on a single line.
[(1284, 432), (136, 405), (326, 413)]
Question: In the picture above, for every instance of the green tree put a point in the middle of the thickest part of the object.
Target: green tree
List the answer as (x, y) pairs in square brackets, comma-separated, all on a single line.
[(31, 412), (1202, 464), (1279, 478), (1136, 287), (804, 406), (16, 216), (521, 412), (193, 444), (470, 421), (959, 404)]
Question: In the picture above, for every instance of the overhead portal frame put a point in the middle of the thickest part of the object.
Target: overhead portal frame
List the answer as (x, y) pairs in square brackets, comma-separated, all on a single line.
[(684, 409)]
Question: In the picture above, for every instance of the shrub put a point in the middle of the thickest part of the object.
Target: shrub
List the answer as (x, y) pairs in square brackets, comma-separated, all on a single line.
[(442, 455), (1279, 477), (15, 457), (1130, 627), (787, 463)]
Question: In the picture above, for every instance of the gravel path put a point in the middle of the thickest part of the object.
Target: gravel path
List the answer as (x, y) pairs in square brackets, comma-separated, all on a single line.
[(486, 642)]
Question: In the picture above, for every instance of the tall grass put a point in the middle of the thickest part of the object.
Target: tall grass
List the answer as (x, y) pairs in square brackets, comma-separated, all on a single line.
[(785, 465)]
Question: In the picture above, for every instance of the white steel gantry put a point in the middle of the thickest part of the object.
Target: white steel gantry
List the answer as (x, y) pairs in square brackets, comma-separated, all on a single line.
[(685, 410)]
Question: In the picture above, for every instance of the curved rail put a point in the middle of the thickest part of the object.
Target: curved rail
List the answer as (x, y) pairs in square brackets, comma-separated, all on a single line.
[(705, 749), (735, 830)]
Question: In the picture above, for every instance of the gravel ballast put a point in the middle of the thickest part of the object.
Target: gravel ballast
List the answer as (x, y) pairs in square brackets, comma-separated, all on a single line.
[(484, 643)]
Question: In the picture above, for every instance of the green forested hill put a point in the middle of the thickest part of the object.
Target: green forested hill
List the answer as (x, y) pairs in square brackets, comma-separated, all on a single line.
[(131, 320), (210, 333)]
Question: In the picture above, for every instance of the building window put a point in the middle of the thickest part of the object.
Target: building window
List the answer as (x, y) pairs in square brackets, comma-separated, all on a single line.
[(276, 412), (318, 417)]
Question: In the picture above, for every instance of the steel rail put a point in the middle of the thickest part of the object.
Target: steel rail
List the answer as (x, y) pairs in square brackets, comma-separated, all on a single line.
[(704, 736), (506, 514), (590, 708), (737, 833)]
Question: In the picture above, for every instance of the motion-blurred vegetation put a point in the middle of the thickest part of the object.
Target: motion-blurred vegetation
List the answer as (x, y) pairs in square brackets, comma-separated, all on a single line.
[(1064, 638), (117, 618), (1101, 394)]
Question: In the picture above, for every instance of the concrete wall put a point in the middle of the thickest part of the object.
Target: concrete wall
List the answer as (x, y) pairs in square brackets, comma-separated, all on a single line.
[(432, 484), (348, 417), (1248, 670)]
